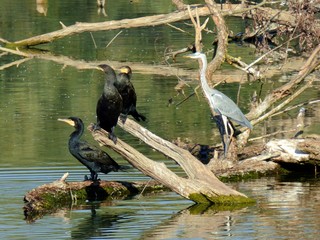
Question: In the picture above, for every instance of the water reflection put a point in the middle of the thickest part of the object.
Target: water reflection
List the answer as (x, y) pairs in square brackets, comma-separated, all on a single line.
[(35, 92), (94, 224)]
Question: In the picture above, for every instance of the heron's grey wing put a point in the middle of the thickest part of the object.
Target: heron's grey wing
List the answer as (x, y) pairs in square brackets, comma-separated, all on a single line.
[(222, 104)]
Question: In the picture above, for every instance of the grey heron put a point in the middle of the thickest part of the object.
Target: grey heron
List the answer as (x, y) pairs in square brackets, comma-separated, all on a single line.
[(219, 103)]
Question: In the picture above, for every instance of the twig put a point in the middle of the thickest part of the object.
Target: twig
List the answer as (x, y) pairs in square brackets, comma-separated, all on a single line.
[(267, 53), (179, 29), (94, 42), (64, 177), (114, 38), (15, 63), (3, 40), (271, 134), (63, 26), (296, 106), (281, 105), (145, 186), (198, 28), (185, 99), (16, 52)]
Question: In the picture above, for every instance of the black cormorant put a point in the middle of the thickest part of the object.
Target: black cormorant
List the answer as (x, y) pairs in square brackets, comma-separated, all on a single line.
[(109, 105), (128, 94), (92, 157)]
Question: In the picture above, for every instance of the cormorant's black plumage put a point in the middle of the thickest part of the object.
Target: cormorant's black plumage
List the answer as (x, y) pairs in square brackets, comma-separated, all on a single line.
[(128, 94), (109, 105), (92, 157)]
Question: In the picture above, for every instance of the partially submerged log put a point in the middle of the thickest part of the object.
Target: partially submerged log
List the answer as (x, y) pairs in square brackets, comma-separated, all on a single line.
[(50, 197)]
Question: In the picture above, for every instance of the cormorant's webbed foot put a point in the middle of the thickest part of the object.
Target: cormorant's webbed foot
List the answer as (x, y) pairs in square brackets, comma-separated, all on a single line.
[(113, 137), (93, 177), (96, 127), (123, 118)]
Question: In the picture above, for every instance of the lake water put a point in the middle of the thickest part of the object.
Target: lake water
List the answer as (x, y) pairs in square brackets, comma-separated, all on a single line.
[(34, 94)]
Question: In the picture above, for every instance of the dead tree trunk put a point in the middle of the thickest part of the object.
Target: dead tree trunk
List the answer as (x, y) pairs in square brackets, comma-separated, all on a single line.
[(201, 186)]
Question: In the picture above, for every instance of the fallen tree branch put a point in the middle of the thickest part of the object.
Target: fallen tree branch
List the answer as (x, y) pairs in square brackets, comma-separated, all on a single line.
[(201, 185), (310, 65), (156, 20)]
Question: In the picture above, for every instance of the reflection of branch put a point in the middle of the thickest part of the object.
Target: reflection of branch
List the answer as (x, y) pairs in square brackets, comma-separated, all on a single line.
[(200, 214), (15, 63)]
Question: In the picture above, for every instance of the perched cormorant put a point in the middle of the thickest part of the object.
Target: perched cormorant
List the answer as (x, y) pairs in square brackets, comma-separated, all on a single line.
[(109, 105), (92, 157), (128, 94)]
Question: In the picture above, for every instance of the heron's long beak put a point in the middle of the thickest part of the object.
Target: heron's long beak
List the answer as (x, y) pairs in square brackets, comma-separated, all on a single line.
[(99, 68), (192, 55), (66, 120)]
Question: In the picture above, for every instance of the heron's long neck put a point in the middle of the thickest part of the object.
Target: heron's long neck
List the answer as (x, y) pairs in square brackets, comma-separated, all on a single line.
[(204, 84)]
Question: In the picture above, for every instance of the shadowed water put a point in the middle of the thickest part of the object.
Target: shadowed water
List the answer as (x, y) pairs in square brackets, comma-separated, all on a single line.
[(34, 94)]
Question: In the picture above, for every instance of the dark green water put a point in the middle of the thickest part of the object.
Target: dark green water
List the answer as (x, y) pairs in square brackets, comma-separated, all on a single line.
[(33, 143)]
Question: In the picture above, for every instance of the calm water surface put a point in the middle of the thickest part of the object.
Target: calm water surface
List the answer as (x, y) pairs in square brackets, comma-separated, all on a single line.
[(34, 144)]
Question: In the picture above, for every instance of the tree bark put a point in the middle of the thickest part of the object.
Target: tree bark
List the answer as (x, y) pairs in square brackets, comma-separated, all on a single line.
[(201, 186)]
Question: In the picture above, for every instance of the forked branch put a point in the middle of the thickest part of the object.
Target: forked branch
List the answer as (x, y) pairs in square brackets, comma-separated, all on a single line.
[(200, 186)]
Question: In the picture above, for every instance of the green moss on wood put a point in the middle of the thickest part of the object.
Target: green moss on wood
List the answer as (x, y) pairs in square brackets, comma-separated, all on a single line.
[(220, 200), (50, 197), (251, 175)]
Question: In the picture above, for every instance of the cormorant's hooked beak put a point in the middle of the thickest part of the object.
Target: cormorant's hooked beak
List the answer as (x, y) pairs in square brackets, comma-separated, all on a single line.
[(66, 120), (124, 70)]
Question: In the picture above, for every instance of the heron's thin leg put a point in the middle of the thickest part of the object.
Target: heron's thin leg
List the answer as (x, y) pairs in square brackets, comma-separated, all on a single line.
[(231, 133), (226, 142)]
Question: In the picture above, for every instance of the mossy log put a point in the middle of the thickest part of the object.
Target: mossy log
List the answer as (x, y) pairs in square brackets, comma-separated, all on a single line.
[(50, 197)]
